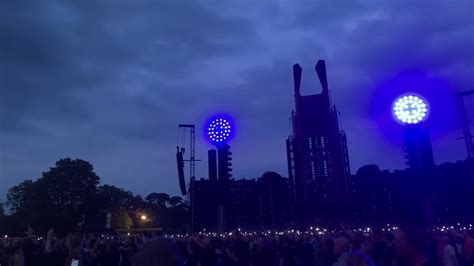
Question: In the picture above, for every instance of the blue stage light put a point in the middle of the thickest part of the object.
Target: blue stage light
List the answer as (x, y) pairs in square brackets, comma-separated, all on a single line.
[(219, 129), (410, 109)]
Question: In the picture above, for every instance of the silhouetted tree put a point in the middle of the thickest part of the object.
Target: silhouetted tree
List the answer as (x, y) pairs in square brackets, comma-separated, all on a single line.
[(60, 198), (176, 200), (178, 215), (68, 195), (18, 196), (159, 199), (111, 197), (137, 202), (121, 219), (2, 210), (70, 183)]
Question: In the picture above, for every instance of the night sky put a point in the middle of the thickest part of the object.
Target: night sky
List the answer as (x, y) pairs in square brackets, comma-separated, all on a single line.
[(109, 81)]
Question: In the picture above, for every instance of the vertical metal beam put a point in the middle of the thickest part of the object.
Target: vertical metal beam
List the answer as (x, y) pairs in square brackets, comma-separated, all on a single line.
[(297, 78), (321, 71), (192, 163), (193, 202), (290, 158), (467, 136), (212, 164), (192, 153)]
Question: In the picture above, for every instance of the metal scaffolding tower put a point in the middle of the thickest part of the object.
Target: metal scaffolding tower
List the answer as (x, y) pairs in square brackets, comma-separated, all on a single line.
[(192, 148), (192, 165), (467, 135)]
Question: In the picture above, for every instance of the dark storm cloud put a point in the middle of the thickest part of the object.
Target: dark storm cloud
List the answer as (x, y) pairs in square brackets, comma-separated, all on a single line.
[(53, 50), (33, 73), (108, 81), (98, 75)]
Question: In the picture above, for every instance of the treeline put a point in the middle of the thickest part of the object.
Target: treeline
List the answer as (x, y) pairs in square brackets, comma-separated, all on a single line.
[(68, 197)]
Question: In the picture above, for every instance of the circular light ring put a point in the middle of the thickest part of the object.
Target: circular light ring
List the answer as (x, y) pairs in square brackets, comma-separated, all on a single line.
[(410, 109), (219, 130)]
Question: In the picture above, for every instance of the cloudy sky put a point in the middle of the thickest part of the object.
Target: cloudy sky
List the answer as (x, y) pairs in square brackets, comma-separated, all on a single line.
[(108, 81)]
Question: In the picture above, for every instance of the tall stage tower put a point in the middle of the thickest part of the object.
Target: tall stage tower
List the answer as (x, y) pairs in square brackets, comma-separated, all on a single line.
[(411, 110), (318, 161)]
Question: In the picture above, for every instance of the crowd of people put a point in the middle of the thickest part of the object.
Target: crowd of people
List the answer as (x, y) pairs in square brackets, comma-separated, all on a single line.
[(404, 246)]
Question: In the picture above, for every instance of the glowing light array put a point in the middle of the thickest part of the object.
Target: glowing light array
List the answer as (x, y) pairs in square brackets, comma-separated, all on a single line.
[(318, 231), (410, 109), (219, 130)]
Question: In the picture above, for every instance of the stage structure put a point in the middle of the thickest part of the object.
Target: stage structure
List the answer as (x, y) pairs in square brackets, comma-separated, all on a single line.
[(219, 131), (411, 110), (318, 160), (192, 162), (466, 130)]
